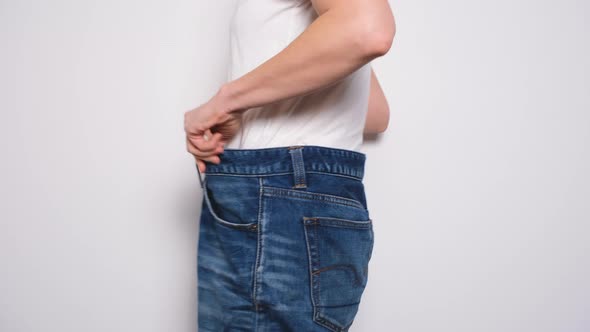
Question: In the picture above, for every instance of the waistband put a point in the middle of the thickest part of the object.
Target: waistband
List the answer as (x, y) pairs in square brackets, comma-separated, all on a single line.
[(289, 159)]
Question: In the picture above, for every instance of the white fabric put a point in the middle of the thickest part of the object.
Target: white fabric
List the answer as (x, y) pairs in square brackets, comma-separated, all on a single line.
[(332, 117)]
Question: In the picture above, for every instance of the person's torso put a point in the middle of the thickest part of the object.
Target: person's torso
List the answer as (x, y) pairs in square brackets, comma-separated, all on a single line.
[(332, 116)]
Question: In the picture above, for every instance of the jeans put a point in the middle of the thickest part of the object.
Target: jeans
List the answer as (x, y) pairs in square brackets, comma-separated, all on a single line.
[(285, 240)]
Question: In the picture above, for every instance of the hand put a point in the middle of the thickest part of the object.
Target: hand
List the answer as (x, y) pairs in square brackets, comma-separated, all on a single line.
[(208, 127)]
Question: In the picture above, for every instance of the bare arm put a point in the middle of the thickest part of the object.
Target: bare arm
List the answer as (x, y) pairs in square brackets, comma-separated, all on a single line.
[(378, 114), (346, 35)]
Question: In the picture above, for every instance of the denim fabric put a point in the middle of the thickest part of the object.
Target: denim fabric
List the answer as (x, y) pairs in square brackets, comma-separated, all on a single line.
[(285, 240)]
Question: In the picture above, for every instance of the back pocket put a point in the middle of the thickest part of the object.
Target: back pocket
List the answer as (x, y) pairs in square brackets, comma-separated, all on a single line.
[(339, 251)]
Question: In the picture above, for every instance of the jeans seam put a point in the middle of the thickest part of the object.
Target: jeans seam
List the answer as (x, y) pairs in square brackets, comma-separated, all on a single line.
[(312, 242), (282, 173), (314, 196), (221, 221), (258, 251)]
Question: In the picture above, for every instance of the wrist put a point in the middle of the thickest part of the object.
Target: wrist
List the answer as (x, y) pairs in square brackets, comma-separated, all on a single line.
[(225, 99)]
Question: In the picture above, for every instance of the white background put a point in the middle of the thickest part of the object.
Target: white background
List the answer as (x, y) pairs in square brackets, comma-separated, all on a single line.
[(479, 190)]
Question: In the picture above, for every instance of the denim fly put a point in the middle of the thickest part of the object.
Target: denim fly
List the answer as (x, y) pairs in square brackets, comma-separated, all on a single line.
[(285, 240)]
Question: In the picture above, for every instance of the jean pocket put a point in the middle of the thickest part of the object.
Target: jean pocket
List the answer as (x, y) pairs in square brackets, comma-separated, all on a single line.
[(232, 201), (339, 251)]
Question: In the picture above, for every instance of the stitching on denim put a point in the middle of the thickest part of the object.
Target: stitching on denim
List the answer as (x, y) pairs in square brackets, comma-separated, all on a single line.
[(344, 223), (283, 173), (298, 165), (220, 221), (358, 279), (311, 228), (313, 254), (338, 174), (310, 195), (247, 175), (338, 151), (323, 321), (258, 250), (310, 268)]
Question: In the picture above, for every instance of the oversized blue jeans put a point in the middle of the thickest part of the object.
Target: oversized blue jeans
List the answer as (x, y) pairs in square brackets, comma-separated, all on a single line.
[(285, 240)]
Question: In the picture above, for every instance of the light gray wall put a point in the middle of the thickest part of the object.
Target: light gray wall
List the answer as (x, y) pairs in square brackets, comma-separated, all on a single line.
[(479, 190)]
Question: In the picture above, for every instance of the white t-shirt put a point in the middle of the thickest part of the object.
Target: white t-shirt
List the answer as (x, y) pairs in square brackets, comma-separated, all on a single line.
[(331, 117)]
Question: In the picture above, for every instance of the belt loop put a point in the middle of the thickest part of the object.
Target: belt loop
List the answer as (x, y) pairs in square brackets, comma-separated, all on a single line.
[(296, 152)]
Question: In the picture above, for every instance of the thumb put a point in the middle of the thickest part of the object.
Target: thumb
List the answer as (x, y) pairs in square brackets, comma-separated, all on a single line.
[(207, 135)]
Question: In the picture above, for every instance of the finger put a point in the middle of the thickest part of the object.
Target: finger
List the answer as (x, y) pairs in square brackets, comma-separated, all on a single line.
[(208, 135), (217, 137), (201, 144), (213, 159), (203, 156), (199, 153), (201, 165), (214, 137), (206, 142)]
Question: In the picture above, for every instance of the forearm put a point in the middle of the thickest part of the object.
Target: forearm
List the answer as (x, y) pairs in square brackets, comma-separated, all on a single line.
[(336, 44)]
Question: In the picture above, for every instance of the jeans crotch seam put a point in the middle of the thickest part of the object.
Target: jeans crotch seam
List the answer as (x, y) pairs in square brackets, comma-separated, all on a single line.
[(299, 179)]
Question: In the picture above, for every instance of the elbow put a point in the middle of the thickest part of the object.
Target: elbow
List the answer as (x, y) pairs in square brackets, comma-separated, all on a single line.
[(380, 45), (377, 126), (385, 123), (376, 129), (382, 127), (376, 35)]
